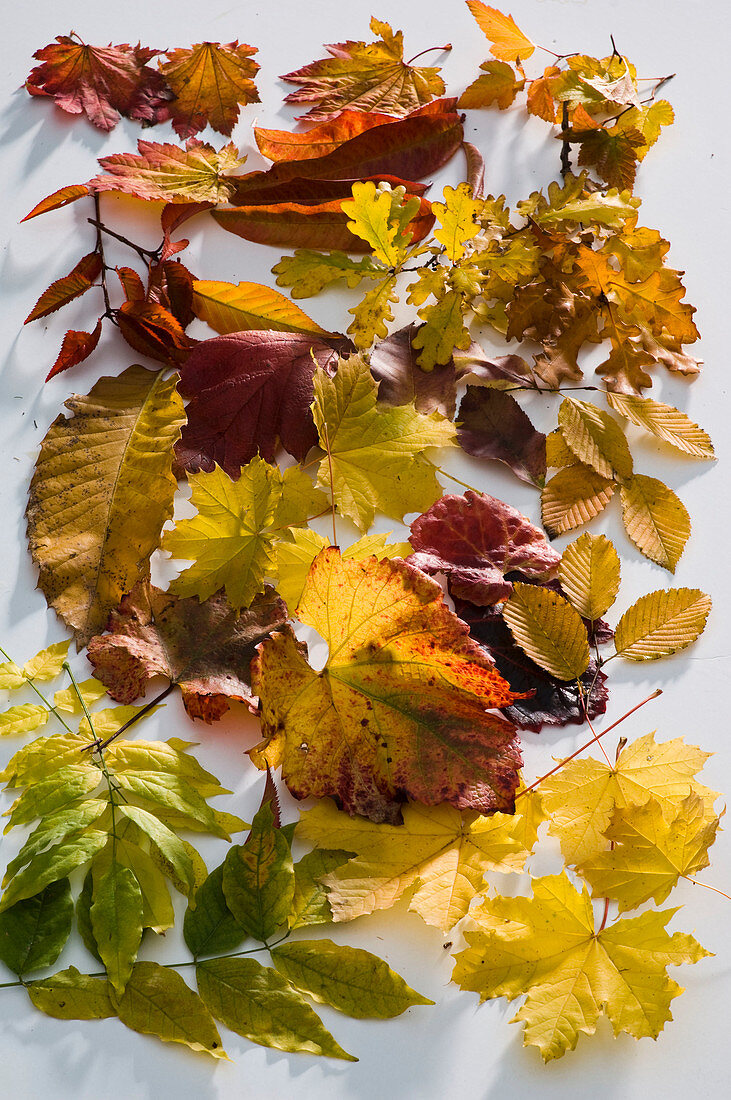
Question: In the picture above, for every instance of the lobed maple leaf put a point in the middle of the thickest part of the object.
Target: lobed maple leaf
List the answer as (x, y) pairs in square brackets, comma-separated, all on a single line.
[(166, 173), (476, 540), (546, 947), (209, 81), (399, 709), (437, 859), (364, 77), (231, 539), (375, 455), (202, 646), (246, 391), (498, 84), (100, 82)]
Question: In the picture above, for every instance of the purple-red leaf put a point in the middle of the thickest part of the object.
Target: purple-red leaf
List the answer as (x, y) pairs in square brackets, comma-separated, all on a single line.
[(76, 347), (394, 365), (62, 197), (70, 286), (492, 425), (202, 646), (247, 390), (154, 331), (476, 539)]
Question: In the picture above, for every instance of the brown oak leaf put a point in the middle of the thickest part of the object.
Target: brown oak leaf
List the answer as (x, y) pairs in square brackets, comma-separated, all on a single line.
[(202, 646)]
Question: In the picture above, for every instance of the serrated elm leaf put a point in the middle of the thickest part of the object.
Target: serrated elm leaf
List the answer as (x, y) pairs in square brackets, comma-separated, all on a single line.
[(573, 496), (665, 422), (662, 623), (655, 519), (546, 626), (589, 574)]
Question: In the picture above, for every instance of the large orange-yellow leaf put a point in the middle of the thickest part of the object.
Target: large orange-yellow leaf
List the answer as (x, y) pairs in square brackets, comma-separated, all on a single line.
[(507, 41), (227, 307), (546, 947), (101, 492), (210, 80), (437, 859), (400, 707)]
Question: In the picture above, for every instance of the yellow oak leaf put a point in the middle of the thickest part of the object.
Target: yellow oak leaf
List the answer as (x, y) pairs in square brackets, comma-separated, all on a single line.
[(371, 314), (400, 708), (546, 947), (231, 539), (443, 331), (376, 451), (497, 84), (649, 853), (437, 859), (457, 219), (581, 798), (379, 216)]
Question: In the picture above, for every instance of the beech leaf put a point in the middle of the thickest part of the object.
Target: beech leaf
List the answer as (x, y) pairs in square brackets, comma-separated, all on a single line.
[(246, 391), (87, 537), (665, 422), (347, 978), (202, 646), (546, 626), (364, 77), (573, 496), (595, 438), (662, 623), (476, 540), (589, 574), (546, 945), (209, 81), (400, 704)]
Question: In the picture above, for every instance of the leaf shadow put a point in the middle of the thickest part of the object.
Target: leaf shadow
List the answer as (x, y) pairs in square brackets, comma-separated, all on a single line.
[(52, 127)]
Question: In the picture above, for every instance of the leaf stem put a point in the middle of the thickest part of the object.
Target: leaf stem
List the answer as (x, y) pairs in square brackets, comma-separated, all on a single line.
[(332, 482), (99, 746), (431, 49), (111, 786), (453, 478), (596, 737), (706, 886), (41, 696)]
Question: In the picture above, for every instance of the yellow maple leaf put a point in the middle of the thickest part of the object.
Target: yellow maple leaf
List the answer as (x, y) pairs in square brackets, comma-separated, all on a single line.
[(437, 859), (649, 853), (400, 708), (546, 947), (581, 798), (376, 451), (210, 80)]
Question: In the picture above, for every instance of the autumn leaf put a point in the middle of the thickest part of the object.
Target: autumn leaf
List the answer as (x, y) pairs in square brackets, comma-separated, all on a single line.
[(662, 623), (492, 425), (85, 535), (76, 347), (258, 877), (401, 380), (665, 422), (498, 84), (156, 1001), (547, 627), (153, 330), (476, 540), (317, 141), (507, 42), (228, 307), (437, 859), (595, 438), (581, 798), (58, 199), (546, 945), (399, 708), (550, 701), (246, 391), (573, 496), (443, 330), (376, 453), (256, 189), (201, 646), (167, 173), (231, 539), (649, 853), (457, 220), (209, 81), (100, 82), (364, 77), (308, 272), (381, 217), (589, 574), (655, 519), (62, 291)]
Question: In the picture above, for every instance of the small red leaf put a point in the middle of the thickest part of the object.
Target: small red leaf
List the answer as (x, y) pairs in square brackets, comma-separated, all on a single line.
[(76, 347), (62, 197), (71, 286)]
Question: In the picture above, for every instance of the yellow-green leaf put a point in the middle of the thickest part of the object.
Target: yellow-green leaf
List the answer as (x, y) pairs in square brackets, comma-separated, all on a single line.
[(256, 1002), (70, 995), (457, 220), (258, 878), (573, 496), (589, 573), (548, 629), (172, 848), (47, 664), (22, 719), (53, 792), (210, 928), (33, 931), (665, 422), (11, 676), (662, 623), (101, 492), (655, 519), (309, 902), (116, 921), (156, 1001), (68, 700), (380, 217), (228, 307), (347, 978), (595, 438), (56, 863), (372, 314), (443, 330)]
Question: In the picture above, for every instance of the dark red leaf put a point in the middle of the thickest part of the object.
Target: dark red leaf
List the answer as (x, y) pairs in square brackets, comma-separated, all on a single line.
[(71, 286), (171, 286), (492, 425), (246, 390), (132, 285), (76, 347), (393, 363), (153, 331), (173, 216), (253, 190), (500, 368)]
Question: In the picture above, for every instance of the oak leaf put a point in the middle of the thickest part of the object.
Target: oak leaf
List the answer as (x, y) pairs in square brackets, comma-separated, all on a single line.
[(246, 391), (437, 859), (376, 453), (231, 539), (399, 709), (476, 540), (581, 798), (101, 82), (88, 539), (209, 81), (381, 216), (364, 77), (546, 946), (649, 853), (203, 647), (166, 173)]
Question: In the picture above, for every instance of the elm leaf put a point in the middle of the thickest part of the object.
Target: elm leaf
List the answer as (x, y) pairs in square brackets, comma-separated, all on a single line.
[(665, 422), (573, 496), (655, 519), (595, 438), (662, 623), (546, 626), (589, 574)]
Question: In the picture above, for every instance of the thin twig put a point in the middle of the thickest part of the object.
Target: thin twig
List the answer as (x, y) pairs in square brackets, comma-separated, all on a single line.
[(100, 252), (99, 746)]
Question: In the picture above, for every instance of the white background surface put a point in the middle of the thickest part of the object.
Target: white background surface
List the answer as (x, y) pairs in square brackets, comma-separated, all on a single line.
[(456, 1049)]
